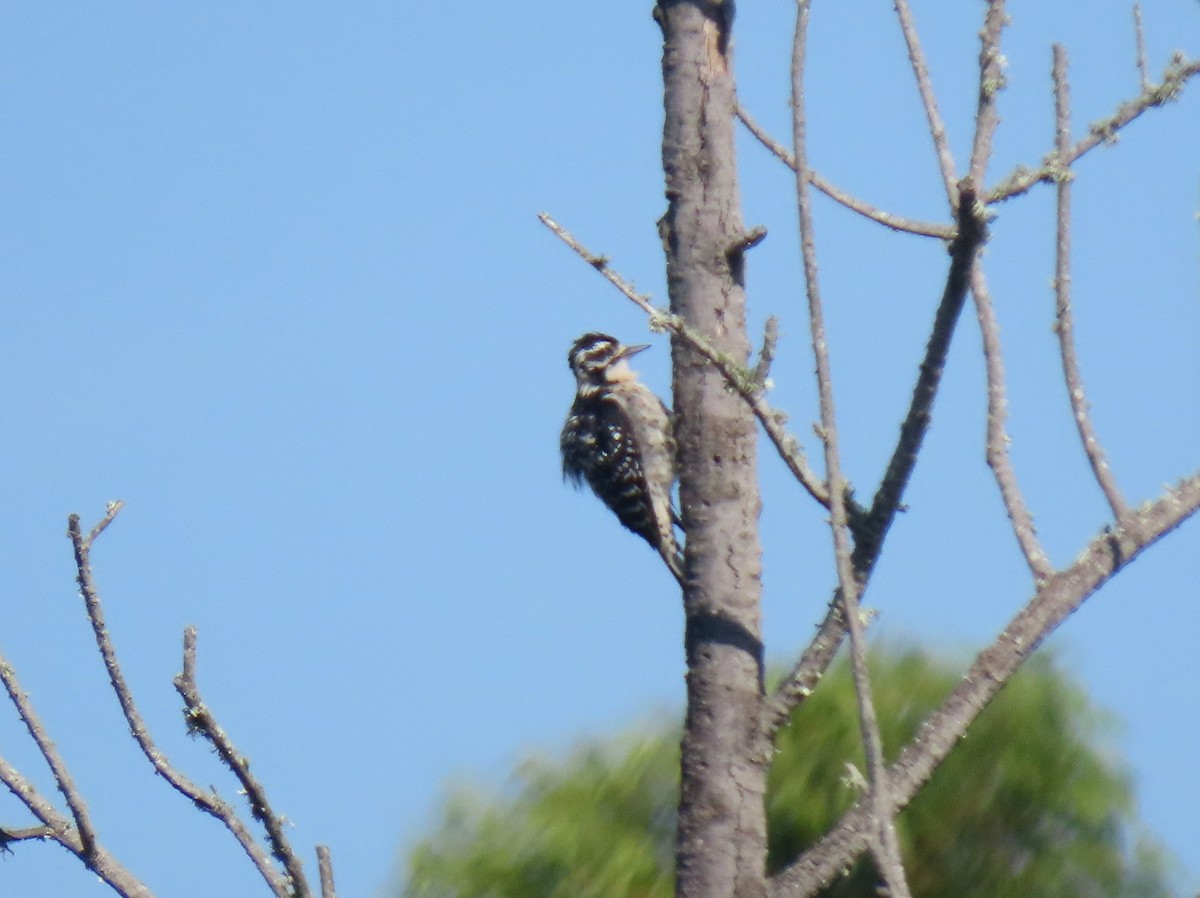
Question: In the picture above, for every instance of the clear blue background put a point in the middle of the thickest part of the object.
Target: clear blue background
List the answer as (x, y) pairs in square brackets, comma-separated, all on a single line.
[(271, 273)]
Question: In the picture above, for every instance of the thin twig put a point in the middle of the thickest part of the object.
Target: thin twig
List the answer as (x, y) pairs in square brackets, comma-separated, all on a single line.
[(1064, 324), (110, 512), (1053, 601), (887, 850), (202, 721), (206, 800), (766, 355), (1174, 79), (937, 128), (895, 222), (1139, 37), (991, 82), (997, 438), (740, 380)]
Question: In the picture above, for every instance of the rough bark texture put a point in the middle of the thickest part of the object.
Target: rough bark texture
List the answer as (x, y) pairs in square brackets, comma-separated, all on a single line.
[(722, 827)]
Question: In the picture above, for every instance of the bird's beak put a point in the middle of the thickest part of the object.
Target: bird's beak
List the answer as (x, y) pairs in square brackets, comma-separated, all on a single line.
[(634, 350)]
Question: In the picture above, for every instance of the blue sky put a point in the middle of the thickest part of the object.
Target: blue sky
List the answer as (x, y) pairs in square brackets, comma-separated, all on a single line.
[(273, 276)]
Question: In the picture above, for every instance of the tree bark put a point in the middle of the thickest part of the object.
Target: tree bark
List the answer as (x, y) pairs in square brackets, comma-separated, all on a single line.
[(721, 848)]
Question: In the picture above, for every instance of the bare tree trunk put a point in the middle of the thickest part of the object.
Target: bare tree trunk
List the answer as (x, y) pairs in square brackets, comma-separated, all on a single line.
[(722, 828)]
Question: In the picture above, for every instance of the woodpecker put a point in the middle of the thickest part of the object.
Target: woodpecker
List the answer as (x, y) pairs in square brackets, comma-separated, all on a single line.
[(617, 437)]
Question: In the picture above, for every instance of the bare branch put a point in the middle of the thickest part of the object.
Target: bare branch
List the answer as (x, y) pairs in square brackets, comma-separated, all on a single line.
[(84, 831), (766, 355), (749, 240), (802, 679), (325, 867), (991, 82), (937, 128), (895, 222), (870, 530), (997, 437), (740, 380), (1064, 324), (887, 846), (1054, 599), (113, 509), (54, 826), (24, 834), (778, 150), (201, 721), (1139, 36), (1175, 78), (208, 801)]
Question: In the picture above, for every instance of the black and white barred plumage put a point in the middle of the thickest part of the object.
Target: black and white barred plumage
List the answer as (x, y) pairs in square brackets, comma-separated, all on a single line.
[(617, 438)]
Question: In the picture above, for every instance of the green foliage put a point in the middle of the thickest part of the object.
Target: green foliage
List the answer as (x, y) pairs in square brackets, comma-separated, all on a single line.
[(1028, 804)]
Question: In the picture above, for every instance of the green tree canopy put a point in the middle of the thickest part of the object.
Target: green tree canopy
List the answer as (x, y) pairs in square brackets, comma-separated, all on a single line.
[(1031, 803)]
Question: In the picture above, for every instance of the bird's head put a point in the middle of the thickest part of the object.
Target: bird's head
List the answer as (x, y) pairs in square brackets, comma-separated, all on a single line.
[(598, 358)]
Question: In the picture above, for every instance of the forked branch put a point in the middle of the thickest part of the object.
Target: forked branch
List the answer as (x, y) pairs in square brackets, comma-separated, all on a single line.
[(78, 838), (870, 528), (206, 800), (78, 835)]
